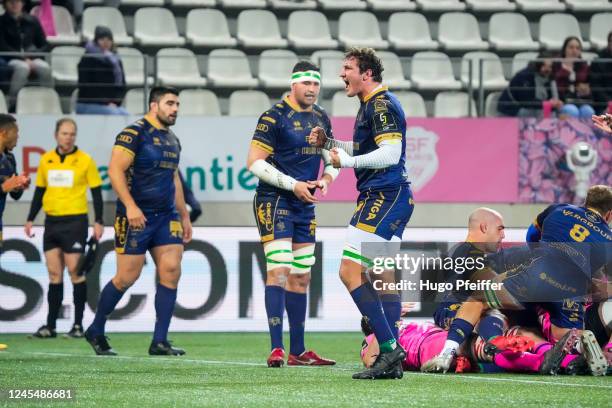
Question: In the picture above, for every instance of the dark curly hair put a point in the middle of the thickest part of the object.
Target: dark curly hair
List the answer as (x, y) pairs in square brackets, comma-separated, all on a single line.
[(366, 60)]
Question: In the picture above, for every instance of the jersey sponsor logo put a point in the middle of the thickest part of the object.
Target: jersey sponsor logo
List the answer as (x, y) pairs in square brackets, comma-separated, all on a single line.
[(311, 151), (60, 178), (280, 226), (125, 138), (384, 122), (297, 125), (156, 141), (262, 127), (376, 207), (421, 157), (591, 216)]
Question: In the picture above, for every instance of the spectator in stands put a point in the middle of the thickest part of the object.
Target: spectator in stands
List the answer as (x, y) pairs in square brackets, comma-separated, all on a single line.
[(22, 34), (5, 74), (601, 78), (101, 77), (530, 89), (571, 74)]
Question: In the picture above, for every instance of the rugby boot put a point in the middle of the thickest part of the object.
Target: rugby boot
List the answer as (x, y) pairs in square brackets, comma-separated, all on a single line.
[(276, 358), (308, 358), (164, 348), (386, 366)]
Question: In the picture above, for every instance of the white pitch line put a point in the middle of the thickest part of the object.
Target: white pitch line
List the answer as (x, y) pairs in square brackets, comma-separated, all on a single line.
[(243, 363)]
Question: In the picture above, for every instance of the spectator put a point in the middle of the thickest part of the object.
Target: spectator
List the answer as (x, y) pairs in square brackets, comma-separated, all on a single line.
[(529, 89), (572, 77), (5, 74), (22, 34), (101, 77), (601, 78)]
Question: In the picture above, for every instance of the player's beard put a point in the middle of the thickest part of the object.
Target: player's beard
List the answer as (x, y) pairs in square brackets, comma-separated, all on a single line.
[(167, 121)]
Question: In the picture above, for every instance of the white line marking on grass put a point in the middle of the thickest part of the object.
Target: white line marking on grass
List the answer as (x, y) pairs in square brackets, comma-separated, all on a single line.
[(516, 380)]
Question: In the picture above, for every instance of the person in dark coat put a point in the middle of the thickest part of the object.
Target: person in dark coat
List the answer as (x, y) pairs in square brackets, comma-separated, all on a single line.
[(601, 78)]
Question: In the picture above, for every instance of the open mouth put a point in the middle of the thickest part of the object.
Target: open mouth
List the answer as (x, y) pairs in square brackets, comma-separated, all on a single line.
[(346, 84)]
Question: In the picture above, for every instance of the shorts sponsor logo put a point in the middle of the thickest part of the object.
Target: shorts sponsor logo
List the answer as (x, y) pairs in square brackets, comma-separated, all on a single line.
[(376, 207)]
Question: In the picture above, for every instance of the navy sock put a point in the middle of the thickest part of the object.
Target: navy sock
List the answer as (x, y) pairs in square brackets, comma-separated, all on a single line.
[(296, 303), (459, 331), (366, 299), (489, 327), (392, 306), (275, 308), (54, 299), (79, 297), (165, 299), (109, 298)]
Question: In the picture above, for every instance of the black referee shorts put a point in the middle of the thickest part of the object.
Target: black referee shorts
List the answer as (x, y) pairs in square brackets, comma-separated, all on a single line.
[(68, 233)]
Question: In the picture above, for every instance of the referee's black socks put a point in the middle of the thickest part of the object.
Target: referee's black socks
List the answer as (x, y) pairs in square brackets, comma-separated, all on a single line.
[(79, 296), (54, 298)]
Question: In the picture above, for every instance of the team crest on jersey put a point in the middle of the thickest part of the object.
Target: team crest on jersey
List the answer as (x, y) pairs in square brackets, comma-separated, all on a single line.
[(421, 156)]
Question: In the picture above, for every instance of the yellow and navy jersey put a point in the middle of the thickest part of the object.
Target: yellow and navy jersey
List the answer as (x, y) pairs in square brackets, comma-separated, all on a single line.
[(156, 153), (588, 232), (283, 131), (65, 178), (8, 167), (380, 118)]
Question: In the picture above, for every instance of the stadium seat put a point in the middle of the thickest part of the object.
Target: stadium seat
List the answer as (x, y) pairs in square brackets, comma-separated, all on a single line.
[(293, 4), (64, 64), (134, 101), (309, 30), (441, 5), (342, 105), (193, 4), (275, 68), (589, 5), (601, 25), (228, 68), (109, 17), (394, 73), (521, 60), (510, 31), (491, 104), (259, 29), (413, 104), (556, 27), (37, 100), (492, 70), (200, 102), (459, 31), (453, 105), (3, 107), (208, 28), (64, 27), (410, 31), (343, 4), (142, 3), (490, 5), (329, 62), (178, 67), (360, 28), (243, 4), (433, 70), (133, 65), (248, 103), (391, 5), (155, 26), (540, 5)]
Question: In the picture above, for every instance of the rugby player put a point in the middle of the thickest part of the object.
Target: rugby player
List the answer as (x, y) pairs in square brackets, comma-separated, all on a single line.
[(151, 216), (10, 182), (576, 245), (287, 168), (62, 178), (384, 205)]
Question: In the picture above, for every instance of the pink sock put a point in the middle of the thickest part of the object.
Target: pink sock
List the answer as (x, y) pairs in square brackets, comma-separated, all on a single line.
[(518, 362), (568, 359), (542, 348), (607, 346)]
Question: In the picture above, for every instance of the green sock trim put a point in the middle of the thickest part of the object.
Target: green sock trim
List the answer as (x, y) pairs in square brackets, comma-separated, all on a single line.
[(299, 265), (357, 257), (278, 251), (388, 346)]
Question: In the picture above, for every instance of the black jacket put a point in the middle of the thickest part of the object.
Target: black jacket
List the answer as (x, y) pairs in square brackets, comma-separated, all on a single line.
[(601, 80), (97, 81), (22, 35), (519, 94)]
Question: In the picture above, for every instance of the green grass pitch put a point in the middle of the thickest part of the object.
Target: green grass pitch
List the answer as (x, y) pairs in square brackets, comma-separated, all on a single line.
[(228, 369)]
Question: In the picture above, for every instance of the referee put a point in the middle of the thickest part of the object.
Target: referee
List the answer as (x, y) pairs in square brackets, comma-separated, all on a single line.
[(61, 182)]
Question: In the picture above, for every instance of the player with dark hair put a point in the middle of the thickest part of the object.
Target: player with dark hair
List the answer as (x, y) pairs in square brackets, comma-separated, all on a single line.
[(575, 247), (384, 205), (63, 176), (288, 168), (151, 216)]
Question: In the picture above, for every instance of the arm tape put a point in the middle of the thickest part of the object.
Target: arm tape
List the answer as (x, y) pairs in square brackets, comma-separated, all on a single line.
[(267, 173)]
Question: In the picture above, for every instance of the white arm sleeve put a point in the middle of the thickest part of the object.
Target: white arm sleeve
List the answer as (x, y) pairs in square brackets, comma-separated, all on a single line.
[(346, 146), (267, 173), (329, 168), (388, 154)]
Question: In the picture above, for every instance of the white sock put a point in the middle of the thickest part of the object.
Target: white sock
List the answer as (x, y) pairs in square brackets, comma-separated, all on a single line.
[(450, 346)]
